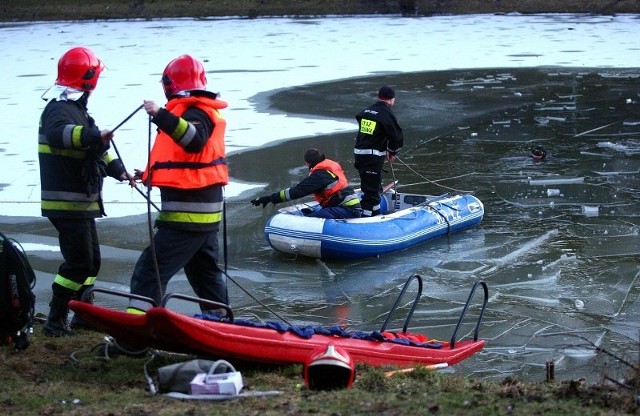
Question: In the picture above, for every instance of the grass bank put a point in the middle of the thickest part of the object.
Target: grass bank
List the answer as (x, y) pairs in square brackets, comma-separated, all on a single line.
[(65, 376), (38, 10)]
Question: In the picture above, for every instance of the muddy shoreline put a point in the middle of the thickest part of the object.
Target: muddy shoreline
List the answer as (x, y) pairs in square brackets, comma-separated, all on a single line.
[(51, 10)]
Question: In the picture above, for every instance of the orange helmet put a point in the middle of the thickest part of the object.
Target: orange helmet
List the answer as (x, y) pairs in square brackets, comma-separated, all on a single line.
[(182, 74), (79, 68), (329, 368)]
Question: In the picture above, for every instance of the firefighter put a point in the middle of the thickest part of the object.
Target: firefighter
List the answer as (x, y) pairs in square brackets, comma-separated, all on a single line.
[(379, 138), (74, 159), (187, 163), (328, 184)]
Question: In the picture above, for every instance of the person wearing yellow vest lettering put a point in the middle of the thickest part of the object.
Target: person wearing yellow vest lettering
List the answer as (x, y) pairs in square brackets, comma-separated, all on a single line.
[(328, 184), (73, 157), (379, 138), (187, 163)]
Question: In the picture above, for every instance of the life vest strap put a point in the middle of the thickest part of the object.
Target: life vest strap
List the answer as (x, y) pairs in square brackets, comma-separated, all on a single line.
[(188, 165)]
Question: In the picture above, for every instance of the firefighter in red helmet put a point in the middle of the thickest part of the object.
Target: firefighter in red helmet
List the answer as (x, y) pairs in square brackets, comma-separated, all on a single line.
[(187, 163), (183, 74), (74, 159), (79, 68)]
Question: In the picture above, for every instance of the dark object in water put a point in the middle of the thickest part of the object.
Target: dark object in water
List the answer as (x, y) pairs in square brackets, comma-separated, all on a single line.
[(538, 153)]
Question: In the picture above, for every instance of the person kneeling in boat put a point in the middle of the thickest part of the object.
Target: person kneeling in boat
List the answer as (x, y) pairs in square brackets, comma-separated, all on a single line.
[(328, 184)]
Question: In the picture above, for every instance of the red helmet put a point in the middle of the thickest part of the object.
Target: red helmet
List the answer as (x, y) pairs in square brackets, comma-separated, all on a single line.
[(182, 74), (79, 68), (329, 368)]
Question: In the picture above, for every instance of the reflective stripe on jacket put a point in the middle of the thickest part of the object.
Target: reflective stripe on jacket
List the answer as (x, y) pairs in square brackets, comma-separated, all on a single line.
[(73, 161)]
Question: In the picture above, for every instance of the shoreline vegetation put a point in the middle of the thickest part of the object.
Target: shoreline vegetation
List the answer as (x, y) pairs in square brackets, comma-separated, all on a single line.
[(55, 10), (65, 376)]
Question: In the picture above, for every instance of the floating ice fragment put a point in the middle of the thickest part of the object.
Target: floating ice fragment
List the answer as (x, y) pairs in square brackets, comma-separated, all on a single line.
[(614, 146), (590, 211), (553, 192), (579, 304), (579, 352), (556, 181)]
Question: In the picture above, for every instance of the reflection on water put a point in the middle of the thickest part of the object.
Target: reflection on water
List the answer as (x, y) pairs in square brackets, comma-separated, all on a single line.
[(558, 245)]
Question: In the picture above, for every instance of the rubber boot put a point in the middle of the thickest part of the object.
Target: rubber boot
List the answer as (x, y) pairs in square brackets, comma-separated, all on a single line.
[(57, 325), (77, 322)]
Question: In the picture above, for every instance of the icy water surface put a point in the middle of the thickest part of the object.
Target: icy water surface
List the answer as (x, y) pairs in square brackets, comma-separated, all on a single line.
[(558, 246)]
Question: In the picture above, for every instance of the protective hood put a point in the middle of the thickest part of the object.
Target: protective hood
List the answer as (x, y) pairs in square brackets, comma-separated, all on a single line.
[(62, 93)]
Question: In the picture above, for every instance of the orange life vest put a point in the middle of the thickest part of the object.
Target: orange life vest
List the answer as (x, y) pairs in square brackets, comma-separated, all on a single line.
[(173, 167), (334, 168)]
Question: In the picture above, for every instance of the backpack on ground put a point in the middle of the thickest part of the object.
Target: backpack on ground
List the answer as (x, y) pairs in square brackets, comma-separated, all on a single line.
[(17, 300)]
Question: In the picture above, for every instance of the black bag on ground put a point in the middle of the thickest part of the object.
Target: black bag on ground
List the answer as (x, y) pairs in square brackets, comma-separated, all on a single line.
[(17, 301)]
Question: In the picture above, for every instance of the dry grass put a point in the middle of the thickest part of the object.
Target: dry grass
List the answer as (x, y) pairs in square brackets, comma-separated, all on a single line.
[(65, 376)]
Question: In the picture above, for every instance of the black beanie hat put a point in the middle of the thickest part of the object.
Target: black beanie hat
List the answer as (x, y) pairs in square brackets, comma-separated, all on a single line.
[(313, 157), (386, 93)]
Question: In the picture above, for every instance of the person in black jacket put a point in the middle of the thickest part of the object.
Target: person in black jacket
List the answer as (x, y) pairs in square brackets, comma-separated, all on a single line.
[(328, 184), (73, 157), (379, 138)]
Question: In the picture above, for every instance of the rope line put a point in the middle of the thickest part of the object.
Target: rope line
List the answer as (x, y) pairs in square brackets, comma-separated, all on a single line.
[(430, 181)]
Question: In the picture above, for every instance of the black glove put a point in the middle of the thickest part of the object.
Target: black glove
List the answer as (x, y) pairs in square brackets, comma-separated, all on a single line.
[(263, 200)]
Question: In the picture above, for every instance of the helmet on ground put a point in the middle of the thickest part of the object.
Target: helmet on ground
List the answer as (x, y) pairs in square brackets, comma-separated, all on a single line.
[(183, 74), (79, 68), (329, 368)]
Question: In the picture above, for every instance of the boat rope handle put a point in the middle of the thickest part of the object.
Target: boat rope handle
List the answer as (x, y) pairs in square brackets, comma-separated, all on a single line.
[(444, 217)]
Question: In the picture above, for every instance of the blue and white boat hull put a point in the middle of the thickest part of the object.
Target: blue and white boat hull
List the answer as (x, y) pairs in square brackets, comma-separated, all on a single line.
[(410, 220)]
